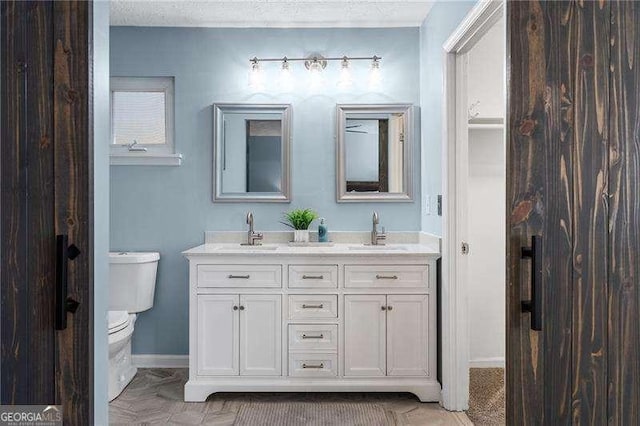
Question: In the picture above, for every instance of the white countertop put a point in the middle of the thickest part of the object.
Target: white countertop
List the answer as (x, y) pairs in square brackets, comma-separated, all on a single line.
[(338, 249)]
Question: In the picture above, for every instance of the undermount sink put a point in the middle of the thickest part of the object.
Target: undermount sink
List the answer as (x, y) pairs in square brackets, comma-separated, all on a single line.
[(248, 247), (379, 247)]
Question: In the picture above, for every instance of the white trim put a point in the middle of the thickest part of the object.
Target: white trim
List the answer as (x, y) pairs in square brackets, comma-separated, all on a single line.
[(496, 362), (160, 361), (455, 332), (145, 159)]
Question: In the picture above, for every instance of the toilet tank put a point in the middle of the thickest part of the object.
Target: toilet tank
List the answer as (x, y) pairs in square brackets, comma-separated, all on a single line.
[(132, 280)]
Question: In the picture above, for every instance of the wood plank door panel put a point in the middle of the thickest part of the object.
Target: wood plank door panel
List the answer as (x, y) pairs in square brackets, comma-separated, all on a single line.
[(623, 299), (573, 175), (27, 243)]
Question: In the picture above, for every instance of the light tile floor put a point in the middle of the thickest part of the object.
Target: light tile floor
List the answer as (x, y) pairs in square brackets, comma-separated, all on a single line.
[(155, 396)]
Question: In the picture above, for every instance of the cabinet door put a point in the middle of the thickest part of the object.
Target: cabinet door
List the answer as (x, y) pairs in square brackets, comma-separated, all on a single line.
[(217, 335), (407, 335), (364, 329), (260, 335)]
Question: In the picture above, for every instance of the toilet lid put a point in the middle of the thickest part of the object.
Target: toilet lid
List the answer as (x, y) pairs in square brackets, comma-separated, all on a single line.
[(118, 320)]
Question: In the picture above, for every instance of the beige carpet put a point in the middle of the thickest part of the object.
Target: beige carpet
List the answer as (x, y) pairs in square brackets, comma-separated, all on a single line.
[(486, 396), (312, 414)]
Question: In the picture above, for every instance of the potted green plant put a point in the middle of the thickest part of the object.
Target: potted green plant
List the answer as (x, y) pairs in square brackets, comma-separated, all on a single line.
[(299, 220)]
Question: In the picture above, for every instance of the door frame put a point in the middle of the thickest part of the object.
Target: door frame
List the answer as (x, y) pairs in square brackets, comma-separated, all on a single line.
[(455, 327)]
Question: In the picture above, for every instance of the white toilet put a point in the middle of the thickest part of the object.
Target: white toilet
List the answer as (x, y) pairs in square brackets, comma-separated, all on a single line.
[(132, 284)]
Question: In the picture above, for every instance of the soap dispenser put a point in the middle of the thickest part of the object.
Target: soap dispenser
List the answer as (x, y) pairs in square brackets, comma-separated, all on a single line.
[(323, 235)]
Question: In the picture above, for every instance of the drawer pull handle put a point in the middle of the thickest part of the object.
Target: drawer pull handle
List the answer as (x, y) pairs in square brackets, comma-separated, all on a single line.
[(386, 277), (243, 277), (321, 336), (313, 277), (320, 306), (321, 365)]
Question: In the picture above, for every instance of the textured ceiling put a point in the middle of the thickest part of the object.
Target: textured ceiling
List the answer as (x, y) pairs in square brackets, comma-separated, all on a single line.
[(269, 13)]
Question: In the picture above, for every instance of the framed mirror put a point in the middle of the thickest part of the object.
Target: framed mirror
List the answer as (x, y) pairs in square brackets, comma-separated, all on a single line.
[(373, 153), (251, 146)]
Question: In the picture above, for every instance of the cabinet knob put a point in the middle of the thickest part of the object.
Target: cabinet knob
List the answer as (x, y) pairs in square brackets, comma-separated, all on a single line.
[(235, 308), (389, 308), (241, 308), (384, 308)]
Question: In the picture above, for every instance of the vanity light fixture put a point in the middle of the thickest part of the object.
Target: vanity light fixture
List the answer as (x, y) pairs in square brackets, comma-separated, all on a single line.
[(315, 64)]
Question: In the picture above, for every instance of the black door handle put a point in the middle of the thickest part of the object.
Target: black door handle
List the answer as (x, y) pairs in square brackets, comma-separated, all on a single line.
[(64, 304), (534, 305)]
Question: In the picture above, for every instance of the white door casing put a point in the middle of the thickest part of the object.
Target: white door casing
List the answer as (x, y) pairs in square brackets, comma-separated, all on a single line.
[(455, 328), (365, 335)]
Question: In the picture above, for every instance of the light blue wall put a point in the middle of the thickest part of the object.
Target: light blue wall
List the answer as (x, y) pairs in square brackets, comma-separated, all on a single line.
[(443, 19), (168, 208), (101, 130)]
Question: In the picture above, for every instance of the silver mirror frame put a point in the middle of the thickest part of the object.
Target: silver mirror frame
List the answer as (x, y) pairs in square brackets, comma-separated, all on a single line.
[(342, 196), (267, 197)]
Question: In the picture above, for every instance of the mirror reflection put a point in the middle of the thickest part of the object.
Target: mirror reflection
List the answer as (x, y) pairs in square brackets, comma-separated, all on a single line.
[(251, 153), (373, 153)]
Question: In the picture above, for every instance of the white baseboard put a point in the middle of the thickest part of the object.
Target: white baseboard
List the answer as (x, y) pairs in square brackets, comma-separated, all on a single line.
[(497, 362), (160, 361)]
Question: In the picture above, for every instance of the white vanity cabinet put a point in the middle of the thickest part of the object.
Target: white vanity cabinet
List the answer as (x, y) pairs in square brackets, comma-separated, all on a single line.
[(298, 320), (238, 334), (386, 335)]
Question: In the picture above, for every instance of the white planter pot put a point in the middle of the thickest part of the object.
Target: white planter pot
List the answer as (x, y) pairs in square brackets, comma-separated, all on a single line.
[(301, 236)]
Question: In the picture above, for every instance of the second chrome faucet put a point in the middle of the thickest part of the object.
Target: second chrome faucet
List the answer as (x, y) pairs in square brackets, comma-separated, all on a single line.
[(376, 236), (253, 238)]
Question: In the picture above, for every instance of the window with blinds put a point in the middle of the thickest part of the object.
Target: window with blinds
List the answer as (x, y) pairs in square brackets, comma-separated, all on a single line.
[(142, 117)]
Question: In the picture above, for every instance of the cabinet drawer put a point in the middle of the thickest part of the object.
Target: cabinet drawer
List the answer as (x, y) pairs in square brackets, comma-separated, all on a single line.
[(313, 365), (313, 276), (239, 276), (310, 306), (313, 337), (400, 276)]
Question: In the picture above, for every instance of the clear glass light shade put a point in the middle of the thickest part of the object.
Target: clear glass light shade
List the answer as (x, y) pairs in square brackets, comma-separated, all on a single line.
[(316, 75), (345, 80), (256, 77), (375, 77), (286, 77)]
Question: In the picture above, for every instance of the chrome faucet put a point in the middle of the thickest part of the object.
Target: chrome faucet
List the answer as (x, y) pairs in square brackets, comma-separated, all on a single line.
[(376, 236), (252, 236)]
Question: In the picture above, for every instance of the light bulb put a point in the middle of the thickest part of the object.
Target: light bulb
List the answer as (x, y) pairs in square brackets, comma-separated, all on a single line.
[(345, 79), (315, 70), (374, 76), (286, 78), (256, 79)]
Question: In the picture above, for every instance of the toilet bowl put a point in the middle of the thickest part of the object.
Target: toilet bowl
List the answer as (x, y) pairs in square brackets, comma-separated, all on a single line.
[(132, 281)]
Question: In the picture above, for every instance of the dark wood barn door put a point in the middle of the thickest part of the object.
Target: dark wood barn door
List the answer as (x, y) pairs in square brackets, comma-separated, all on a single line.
[(573, 346), (46, 181)]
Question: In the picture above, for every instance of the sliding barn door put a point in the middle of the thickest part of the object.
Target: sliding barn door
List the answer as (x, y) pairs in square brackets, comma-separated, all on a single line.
[(46, 270), (573, 321)]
